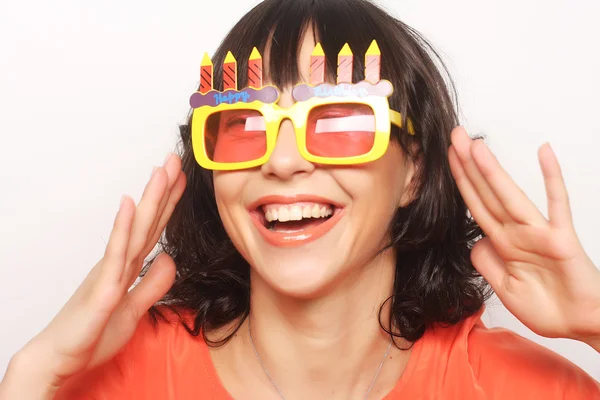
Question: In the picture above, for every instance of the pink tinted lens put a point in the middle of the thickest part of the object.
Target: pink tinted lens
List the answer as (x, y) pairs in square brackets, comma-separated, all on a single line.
[(235, 136), (340, 130)]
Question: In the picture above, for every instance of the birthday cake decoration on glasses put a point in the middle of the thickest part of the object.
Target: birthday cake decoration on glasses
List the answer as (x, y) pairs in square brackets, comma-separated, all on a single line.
[(206, 96), (372, 85), (344, 123)]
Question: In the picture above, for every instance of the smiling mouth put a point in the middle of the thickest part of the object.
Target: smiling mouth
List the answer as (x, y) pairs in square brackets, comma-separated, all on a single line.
[(296, 217), (295, 224)]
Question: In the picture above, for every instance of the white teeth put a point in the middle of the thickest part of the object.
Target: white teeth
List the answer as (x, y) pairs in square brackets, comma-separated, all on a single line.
[(284, 214), (315, 212), (307, 212), (296, 212)]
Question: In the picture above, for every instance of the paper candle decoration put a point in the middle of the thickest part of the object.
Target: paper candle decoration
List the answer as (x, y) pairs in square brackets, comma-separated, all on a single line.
[(230, 72), (373, 63), (317, 66), (255, 69), (344, 68), (206, 74)]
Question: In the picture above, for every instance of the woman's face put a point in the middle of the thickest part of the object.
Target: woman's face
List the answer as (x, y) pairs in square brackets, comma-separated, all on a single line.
[(306, 257)]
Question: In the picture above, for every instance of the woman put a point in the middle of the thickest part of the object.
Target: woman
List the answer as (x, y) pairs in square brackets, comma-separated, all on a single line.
[(376, 295)]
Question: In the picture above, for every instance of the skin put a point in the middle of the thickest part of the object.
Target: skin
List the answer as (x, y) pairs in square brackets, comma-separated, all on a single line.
[(323, 296), (535, 264)]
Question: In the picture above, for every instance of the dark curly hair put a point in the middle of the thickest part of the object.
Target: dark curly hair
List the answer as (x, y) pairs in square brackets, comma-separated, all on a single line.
[(435, 281)]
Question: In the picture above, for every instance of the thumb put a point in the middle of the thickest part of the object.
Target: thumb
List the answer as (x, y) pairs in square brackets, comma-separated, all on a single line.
[(153, 286), (123, 323), (488, 263)]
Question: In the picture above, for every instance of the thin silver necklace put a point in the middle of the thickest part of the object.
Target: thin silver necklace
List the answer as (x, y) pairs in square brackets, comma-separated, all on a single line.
[(277, 387)]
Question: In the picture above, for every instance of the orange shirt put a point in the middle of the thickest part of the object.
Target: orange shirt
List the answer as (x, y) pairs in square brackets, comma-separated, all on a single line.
[(466, 361)]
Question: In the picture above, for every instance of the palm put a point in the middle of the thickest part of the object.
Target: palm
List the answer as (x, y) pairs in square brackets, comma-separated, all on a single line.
[(110, 322), (536, 266), (103, 314)]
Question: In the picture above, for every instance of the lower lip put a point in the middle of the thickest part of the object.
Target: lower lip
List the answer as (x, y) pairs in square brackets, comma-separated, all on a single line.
[(291, 239)]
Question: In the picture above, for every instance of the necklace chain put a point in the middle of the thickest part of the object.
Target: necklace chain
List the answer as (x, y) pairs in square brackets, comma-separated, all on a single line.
[(277, 387)]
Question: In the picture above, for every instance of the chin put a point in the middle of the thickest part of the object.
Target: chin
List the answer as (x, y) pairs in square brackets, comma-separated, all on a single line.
[(299, 276)]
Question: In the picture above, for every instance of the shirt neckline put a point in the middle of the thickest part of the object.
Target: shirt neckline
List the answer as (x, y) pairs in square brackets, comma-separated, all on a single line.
[(222, 394)]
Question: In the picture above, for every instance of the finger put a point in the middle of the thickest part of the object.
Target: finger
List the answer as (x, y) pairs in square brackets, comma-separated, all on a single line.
[(478, 209), (512, 198), (174, 198), (153, 286), (144, 217), (110, 267), (134, 306), (489, 264), (559, 210), (115, 255), (462, 144), (105, 278), (173, 169)]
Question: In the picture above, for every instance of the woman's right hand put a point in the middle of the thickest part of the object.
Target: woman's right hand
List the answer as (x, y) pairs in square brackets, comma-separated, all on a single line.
[(102, 315)]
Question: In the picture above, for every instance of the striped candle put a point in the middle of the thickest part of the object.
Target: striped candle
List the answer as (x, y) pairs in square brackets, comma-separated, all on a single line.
[(344, 68), (373, 63), (230, 72), (317, 66), (206, 74), (255, 69)]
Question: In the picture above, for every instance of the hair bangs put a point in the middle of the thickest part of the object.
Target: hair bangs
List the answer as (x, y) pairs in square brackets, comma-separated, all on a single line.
[(435, 281), (281, 30)]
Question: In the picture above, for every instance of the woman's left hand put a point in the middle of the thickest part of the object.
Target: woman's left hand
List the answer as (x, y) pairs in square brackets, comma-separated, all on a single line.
[(536, 266)]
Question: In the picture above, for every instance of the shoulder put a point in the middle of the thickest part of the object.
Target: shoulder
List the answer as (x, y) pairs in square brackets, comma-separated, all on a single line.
[(164, 334), (471, 361), (503, 361), (161, 358), (163, 347)]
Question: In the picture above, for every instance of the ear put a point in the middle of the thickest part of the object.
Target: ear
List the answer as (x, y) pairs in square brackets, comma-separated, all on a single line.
[(409, 184)]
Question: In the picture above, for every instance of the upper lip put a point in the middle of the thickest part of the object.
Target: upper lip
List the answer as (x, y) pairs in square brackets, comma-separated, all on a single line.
[(290, 199)]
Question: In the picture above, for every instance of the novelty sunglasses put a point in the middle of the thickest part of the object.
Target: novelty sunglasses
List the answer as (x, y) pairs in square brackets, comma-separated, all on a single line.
[(342, 124)]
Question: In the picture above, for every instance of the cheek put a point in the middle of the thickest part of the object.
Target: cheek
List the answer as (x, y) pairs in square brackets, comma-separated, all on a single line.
[(376, 189), (229, 187), (380, 182), (225, 187)]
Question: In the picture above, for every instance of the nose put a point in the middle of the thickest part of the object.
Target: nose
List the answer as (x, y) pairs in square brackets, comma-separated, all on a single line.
[(286, 161)]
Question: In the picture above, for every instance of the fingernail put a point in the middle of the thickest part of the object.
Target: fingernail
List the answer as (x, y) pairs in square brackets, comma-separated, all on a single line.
[(153, 171), (481, 141), (167, 158)]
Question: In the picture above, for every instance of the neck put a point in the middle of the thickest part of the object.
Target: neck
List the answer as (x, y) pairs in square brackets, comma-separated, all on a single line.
[(334, 342)]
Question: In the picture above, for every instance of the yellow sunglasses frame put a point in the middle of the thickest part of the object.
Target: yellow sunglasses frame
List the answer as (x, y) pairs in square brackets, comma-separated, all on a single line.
[(297, 114)]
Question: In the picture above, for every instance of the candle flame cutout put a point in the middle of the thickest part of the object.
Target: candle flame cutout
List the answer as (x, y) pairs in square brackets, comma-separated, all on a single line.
[(255, 69), (344, 67), (373, 63), (230, 72), (206, 74)]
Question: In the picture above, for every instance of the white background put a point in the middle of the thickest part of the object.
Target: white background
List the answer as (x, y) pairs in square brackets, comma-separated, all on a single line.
[(91, 94)]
